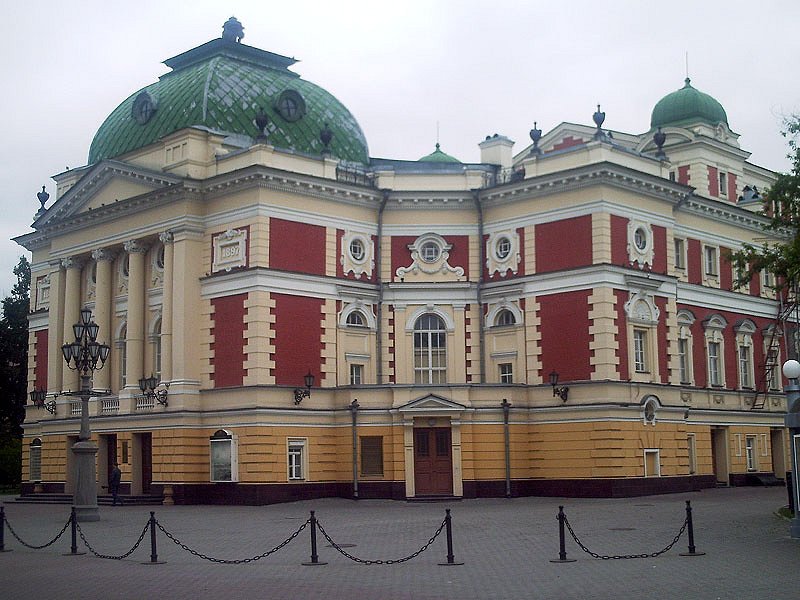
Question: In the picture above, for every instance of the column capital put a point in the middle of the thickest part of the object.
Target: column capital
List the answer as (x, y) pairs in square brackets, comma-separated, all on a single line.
[(103, 254), (166, 237), (134, 246), (71, 262)]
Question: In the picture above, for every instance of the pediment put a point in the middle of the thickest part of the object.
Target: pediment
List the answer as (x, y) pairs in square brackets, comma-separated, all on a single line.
[(432, 404), (102, 185)]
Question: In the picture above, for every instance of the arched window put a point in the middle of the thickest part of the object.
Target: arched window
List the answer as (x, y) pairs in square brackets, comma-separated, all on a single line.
[(356, 319), (430, 350), (505, 317)]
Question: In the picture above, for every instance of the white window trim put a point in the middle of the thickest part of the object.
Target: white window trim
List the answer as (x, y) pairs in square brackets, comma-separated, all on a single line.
[(691, 446), (302, 443), (642, 313), (680, 257), (751, 453), (710, 278), (360, 368), (714, 327), (510, 373), (494, 311), (641, 256), (366, 311), (233, 441), (657, 453), (685, 321), (744, 339), (35, 461)]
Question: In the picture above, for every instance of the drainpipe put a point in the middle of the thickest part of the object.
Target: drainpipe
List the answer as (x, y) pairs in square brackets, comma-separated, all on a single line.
[(506, 408), (379, 282), (479, 292), (354, 414)]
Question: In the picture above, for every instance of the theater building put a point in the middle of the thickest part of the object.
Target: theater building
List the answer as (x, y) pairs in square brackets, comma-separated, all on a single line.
[(557, 320)]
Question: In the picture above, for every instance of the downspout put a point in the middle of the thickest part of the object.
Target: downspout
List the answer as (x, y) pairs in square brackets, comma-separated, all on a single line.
[(379, 283), (506, 438), (354, 413), (479, 292)]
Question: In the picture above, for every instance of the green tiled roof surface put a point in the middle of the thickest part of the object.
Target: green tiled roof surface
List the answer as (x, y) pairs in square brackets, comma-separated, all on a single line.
[(224, 94), (439, 156), (687, 105)]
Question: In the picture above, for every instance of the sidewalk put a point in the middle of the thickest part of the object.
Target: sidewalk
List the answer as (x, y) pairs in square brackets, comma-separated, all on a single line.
[(506, 546)]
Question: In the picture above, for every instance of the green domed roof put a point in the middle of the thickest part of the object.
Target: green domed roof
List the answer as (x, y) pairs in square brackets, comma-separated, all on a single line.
[(439, 156), (687, 105), (222, 86)]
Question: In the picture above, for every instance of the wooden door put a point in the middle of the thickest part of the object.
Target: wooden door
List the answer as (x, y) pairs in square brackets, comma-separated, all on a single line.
[(147, 461), (433, 462)]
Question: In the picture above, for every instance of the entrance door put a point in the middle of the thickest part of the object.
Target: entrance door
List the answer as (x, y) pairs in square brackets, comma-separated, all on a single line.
[(719, 454), (147, 461), (111, 455), (433, 462)]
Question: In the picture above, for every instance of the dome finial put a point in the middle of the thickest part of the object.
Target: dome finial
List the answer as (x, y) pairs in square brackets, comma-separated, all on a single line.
[(43, 197), (232, 30), (598, 118), (536, 135)]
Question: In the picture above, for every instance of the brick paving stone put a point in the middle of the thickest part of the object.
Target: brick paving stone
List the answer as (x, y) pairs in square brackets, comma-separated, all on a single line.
[(506, 545)]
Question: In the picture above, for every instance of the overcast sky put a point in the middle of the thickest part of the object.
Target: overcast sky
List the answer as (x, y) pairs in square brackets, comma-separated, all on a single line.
[(474, 67)]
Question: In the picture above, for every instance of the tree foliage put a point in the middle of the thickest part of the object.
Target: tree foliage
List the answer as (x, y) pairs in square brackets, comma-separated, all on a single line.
[(780, 254)]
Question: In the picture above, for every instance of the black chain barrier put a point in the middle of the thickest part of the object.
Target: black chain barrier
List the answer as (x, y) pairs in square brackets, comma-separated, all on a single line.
[(564, 522), (33, 546), (382, 562), (111, 556), (237, 561)]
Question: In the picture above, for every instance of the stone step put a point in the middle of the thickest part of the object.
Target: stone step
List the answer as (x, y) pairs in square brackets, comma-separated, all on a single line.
[(102, 499)]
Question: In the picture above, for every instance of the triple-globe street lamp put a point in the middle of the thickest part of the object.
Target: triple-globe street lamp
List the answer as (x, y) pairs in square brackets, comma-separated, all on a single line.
[(85, 355)]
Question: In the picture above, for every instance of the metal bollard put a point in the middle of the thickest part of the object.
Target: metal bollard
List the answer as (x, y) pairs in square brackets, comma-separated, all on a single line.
[(3, 529), (690, 529), (449, 533), (314, 557), (73, 521), (562, 546), (153, 549)]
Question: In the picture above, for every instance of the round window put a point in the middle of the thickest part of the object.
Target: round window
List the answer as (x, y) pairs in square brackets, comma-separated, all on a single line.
[(357, 251), (430, 252), (640, 238), (503, 248)]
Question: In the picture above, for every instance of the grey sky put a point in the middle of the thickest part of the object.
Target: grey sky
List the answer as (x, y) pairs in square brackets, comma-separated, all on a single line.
[(475, 67)]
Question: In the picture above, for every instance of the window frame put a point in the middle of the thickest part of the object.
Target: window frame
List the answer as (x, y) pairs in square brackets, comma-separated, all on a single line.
[(506, 371), (356, 374), (691, 446), (376, 451), (711, 261), (714, 364), (744, 353), (723, 183), (640, 350), (505, 318), (652, 452), (296, 459), (354, 315), (751, 452), (217, 442), (679, 246), (34, 461), (430, 348)]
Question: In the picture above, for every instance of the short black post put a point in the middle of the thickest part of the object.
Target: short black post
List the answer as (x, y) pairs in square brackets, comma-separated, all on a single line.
[(448, 527), (73, 521), (690, 529), (314, 557), (3, 529), (153, 548), (562, 546)]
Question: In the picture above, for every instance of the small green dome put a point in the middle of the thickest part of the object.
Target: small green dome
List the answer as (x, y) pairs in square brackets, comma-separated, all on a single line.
[(222, 86), (439, 156), (687, 105)]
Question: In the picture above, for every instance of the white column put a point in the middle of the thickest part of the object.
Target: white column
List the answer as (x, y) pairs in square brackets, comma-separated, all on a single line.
[(55, 329), (103, 310), (134, 343), (166, 307), (72, 308)]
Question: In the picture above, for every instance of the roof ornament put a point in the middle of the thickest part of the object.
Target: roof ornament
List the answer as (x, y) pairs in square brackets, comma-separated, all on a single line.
[(232, 30), (536, 135), (659, 137), (598, 118), (43, 197), (325, 136), (261, 121)]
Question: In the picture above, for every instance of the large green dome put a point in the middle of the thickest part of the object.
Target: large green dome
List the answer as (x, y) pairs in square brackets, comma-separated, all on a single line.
[(687, 105), (222, 86)]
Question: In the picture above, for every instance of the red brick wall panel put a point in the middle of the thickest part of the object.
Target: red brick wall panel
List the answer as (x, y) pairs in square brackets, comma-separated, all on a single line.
[(567, 142), (713, 182), (660, 249), (622, 334), (565, 244), (661, 340), (459, 253), (732, 187), (619, 240), (401, 255), (725, 269), (298, 338), (683, 175), (694, 259), (228, 346), (565, 335), (297, 247)]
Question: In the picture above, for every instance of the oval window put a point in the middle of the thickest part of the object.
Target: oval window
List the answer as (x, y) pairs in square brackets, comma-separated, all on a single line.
[(503, 248)]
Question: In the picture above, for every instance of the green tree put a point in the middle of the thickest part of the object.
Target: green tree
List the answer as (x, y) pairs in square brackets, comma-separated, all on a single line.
[(14, 372), (780, 253)]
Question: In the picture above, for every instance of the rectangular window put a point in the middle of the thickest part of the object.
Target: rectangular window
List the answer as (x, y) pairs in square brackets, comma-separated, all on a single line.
[(745, 365), (506, 373), (680, 253), (296, 458), (124, 452), (356, 374), (223, 457), (692, 444), (768, 280), (713, 364), (36, 462), (652, 463), (672, 175), (640, 350), (372, 455), (711, 263), (683, 359), (751, 446), (723, 184)]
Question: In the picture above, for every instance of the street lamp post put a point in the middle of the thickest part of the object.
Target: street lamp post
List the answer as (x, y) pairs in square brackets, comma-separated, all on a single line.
[(791, 369), (85, 355)]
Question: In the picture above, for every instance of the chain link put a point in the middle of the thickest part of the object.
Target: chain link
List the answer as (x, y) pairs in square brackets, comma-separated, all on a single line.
[(20, 540), (233, 562), (380, 562), (111, 556), (626, 556)]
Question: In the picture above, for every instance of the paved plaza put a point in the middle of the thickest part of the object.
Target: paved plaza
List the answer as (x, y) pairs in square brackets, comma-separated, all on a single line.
[(506, 546)]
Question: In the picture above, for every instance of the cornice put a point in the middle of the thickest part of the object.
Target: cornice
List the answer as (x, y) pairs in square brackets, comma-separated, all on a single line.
[(724, 213)]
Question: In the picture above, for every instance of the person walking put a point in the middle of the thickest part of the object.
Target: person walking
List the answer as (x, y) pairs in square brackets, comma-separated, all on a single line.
[(113, 484)]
